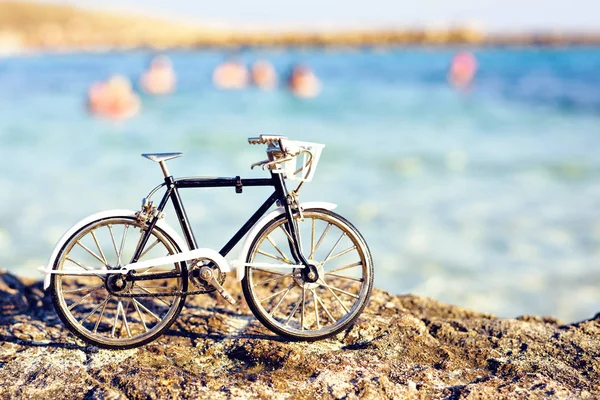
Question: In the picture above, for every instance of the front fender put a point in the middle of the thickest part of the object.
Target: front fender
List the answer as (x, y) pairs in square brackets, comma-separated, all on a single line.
[(239, 264), (94, 217)]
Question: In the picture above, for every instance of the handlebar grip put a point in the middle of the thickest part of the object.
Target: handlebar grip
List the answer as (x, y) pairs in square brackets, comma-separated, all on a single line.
[(254, 140)]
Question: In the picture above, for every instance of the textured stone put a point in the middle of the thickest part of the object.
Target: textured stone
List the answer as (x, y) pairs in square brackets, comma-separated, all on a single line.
[(400, 347)]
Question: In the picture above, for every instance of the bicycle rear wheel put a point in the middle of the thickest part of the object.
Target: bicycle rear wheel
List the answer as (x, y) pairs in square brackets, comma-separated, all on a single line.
[(105, 319), (293, 307)]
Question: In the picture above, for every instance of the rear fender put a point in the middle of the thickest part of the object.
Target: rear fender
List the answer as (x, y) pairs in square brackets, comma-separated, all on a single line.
[(102, 215)]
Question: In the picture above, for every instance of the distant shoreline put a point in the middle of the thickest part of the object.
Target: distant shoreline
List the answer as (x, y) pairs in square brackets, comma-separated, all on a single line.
[(27, 27)]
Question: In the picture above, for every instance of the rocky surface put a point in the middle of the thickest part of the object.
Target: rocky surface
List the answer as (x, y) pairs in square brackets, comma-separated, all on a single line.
[(401, 347)]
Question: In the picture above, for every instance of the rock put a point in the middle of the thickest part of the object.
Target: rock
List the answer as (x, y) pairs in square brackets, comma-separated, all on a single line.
[(12, 294), (400, 347)]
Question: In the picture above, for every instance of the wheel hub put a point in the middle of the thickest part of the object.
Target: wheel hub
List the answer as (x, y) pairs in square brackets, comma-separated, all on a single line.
[(116, 283), (309, 276), (310, 273)]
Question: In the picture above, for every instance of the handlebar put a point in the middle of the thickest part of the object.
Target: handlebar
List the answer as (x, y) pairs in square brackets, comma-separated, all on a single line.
[(285, 156)]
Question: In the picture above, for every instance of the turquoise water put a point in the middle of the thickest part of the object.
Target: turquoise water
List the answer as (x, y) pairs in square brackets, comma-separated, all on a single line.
[(488, 198)]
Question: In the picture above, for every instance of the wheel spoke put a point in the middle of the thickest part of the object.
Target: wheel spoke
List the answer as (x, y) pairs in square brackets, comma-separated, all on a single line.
[(273, 295), (271, 279), (114, 328), (157, 294), (95, 309), (338, 299), (341, 291), (286, 233), (147, 310), (99, 248), (281, 299), (84, 267), (326, 310), (122, 244), (287, 321), (140, 315), (112, 237), (356, 264), (125, 320), (268, 271), (284, 258), (78, 264), (312, 254), (72, 306), (101, 314), (82, 289), (148, 249), (146, 252), (333, 249), (91, 252), (348, 250), (345, 277)]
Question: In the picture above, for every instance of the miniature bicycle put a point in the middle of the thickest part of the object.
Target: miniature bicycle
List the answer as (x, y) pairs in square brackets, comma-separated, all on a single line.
[(120, 278)]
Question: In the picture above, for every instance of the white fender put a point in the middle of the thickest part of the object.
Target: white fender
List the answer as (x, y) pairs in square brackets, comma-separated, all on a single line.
[(240, 263), (104, 214)]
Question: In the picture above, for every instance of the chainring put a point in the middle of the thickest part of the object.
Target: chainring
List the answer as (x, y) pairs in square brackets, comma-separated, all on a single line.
[(200, 283)]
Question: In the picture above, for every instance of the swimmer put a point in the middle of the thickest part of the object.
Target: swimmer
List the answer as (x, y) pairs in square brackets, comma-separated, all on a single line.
[(97, 97), (462, 70), (231, 74), (159, 78), (303, 82), (264, 75), (114, 99)]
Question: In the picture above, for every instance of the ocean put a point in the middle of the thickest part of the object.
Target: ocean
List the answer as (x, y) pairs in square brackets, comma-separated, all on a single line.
[(488, 198)]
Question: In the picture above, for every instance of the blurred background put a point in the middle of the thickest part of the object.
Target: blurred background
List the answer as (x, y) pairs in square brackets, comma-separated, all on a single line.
[(463, 137)]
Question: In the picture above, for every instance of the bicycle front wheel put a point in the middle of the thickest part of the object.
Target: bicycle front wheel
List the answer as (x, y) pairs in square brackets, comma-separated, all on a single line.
[(294, 307), (91, 306)]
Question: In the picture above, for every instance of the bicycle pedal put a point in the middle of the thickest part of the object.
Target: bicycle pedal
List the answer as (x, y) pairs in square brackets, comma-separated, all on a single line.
[(213, 281)]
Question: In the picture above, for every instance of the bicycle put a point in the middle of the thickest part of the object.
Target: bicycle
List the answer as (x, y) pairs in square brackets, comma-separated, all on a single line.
[(306, 272)]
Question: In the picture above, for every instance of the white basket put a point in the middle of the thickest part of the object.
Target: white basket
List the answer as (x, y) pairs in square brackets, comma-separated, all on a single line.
[(302, 166)]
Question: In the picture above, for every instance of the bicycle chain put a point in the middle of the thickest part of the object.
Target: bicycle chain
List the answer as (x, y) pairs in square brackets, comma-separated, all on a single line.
[(169, 294)]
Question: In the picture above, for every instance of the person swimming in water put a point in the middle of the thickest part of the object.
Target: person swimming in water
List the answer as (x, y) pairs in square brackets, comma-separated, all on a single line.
[(303, 82), (462, 70), (231, 74), (159, 78), (113, 99), (263, 75)]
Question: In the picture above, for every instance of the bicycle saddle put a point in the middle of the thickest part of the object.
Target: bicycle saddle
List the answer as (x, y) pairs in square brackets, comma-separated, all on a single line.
[(158, 157)]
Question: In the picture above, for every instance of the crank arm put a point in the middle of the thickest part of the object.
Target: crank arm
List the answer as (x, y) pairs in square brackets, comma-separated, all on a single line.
[(213, 281)]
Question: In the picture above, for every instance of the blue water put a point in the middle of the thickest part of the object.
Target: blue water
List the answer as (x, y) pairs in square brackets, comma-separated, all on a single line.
[(487, 198)]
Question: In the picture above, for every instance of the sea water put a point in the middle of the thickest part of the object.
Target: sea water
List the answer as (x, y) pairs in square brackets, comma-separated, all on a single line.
[(487, 197)]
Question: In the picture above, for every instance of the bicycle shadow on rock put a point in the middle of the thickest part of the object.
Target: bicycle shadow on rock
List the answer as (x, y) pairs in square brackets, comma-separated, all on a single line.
[(218, 323), (44, 343)]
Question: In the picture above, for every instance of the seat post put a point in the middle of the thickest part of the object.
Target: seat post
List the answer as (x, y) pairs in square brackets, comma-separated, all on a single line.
[(165, 171)]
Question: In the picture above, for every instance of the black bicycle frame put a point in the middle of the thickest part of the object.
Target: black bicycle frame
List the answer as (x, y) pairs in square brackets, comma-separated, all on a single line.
[(279, 195)]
